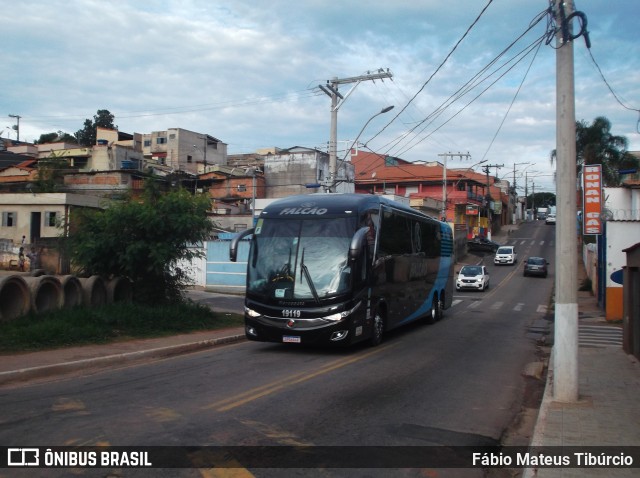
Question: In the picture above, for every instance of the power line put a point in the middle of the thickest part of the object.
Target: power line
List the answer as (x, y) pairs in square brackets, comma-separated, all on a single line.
[(472, 83), (512, 101), (613, 92), (438, 68), (462, 92)]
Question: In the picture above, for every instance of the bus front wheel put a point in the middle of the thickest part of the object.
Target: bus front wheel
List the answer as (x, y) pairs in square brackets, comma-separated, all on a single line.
[(378, 329)]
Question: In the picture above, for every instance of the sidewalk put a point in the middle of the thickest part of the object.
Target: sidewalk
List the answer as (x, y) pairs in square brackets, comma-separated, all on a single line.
[(606, 414)]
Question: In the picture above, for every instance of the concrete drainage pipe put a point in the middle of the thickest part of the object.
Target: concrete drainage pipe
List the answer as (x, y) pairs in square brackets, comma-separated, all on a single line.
[(72, 290), (119, 289), (46, 293), (15, 300), (94, 291)]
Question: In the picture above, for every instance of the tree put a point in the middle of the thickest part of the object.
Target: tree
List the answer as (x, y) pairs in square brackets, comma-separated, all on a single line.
[(596, 145), (143, 240), (58, 137), (541, 199), (50, 174), (87, 135)]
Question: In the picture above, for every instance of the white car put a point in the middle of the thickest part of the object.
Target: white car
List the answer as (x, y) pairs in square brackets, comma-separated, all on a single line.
[(473, 277), (551, 219), (505, 255)]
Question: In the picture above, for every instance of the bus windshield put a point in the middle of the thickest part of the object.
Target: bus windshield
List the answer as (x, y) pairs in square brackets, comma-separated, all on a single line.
[(300, 259)]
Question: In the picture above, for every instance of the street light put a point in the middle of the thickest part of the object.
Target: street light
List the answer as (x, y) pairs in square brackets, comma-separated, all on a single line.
[(384, 110)]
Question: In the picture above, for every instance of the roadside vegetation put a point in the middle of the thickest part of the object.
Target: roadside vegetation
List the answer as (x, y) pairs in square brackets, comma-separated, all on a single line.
[(110, 323), (145, 239)]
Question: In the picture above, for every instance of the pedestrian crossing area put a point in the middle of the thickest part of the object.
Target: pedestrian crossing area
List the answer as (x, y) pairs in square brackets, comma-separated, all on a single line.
[(497, 305), (527, 242), (588, 335), (599, 336)]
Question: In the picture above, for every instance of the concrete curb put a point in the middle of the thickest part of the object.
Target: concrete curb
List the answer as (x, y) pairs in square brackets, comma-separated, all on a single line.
[(541, 422), (116, 359)]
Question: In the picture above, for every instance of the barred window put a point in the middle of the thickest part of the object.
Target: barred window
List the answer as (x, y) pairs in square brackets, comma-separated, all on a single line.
[(50, 218), (9, 219)]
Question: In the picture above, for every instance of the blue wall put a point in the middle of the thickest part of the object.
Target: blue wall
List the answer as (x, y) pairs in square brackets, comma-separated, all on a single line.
[(222, 275)]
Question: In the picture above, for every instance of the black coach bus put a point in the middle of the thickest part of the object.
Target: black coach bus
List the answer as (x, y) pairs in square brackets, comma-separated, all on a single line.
[(343, 268)]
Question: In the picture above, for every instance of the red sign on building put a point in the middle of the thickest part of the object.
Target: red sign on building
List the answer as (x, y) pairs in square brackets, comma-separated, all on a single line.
[(592, 200), (472, 210)]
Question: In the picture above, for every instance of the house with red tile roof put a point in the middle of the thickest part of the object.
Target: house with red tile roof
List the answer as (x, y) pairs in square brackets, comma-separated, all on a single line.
[(470, 200)]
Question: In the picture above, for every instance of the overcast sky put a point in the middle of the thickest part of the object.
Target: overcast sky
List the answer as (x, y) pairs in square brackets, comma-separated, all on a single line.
[(247, 73)]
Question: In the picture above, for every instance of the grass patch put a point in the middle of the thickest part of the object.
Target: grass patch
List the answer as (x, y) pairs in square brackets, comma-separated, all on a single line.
[(110, 323)]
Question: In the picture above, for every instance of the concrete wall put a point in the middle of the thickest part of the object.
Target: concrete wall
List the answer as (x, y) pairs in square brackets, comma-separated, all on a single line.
[(622, 231)]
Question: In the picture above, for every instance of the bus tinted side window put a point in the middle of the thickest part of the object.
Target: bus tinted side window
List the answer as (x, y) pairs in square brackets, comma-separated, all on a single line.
[(395, 234)]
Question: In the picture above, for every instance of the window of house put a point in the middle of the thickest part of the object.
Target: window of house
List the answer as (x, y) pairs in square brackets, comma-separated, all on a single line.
[(242, 188), (50, 218), (189, 158), (172, 136), (390, 161), (147, 143), (9, 219), (161, 140)]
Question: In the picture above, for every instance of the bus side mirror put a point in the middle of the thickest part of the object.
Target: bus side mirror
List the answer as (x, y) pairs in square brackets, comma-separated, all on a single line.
[(233, 248), (357, 243)]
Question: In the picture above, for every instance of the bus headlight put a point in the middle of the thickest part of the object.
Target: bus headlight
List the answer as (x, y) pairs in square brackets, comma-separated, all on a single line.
[(251, 312), (337, 317)]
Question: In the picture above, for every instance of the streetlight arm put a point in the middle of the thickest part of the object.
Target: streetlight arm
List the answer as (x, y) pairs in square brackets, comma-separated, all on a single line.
[(382, 111)]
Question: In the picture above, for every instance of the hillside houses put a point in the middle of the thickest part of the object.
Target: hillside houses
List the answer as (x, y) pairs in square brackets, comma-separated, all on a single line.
[(119, 163)]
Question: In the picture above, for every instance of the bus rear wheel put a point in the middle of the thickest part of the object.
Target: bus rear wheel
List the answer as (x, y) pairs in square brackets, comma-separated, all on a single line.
[(378, 329), (435, 314)]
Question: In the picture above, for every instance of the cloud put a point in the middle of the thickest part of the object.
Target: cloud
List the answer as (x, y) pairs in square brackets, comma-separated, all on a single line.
[(247, 72)]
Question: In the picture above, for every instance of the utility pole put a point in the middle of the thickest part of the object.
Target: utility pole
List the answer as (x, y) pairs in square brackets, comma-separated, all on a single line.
[(533, 199), (443, 216), (488, 193), (331, 90), (17, 126), (565, 376), (515, 192)]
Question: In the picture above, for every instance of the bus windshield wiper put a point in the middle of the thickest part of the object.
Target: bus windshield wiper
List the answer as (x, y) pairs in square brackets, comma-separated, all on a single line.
[(307, 276)]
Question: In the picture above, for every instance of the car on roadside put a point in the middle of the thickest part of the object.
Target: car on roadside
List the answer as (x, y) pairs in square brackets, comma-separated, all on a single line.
[(473, 277), (482, 244), (536, 266), (551, 219), (505, 255)]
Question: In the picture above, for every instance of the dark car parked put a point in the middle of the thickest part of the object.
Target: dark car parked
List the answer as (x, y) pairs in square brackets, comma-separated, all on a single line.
[(482, 244), (536, 266)]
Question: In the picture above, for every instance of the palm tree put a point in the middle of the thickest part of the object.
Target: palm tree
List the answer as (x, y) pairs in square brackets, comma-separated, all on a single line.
[(596, 145)]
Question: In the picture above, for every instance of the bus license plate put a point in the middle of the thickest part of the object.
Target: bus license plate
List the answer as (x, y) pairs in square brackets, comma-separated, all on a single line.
[(292, 339)]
